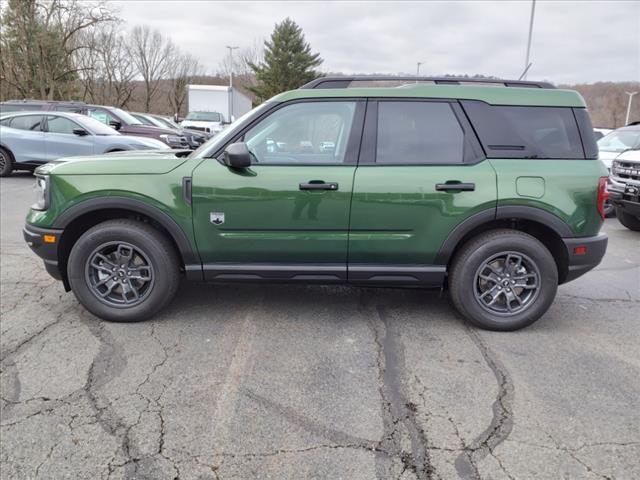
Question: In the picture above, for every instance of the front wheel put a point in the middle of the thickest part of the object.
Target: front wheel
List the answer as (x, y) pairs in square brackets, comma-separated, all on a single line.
[(123, 270), (629, 221), (6, 163), (503, 280)]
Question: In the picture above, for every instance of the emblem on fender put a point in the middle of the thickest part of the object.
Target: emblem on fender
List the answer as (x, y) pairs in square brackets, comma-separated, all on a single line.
[(217, 218)]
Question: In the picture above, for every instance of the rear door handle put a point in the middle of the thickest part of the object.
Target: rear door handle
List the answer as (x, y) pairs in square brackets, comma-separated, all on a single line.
[(458, 187), (317, 185)]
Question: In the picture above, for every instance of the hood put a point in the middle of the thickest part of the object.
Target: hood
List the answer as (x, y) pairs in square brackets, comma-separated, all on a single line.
[(608, 157), (146, 141), (147, 162), (146, 130)]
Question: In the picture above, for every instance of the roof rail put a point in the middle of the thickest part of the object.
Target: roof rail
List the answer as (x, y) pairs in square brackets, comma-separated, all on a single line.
[(345, 81)]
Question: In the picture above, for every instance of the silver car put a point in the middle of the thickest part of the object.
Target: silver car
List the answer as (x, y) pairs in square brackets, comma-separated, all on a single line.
[(28, 140)]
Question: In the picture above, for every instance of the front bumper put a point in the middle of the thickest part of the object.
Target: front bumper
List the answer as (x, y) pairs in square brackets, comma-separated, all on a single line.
[(48, 251), (584, 254)]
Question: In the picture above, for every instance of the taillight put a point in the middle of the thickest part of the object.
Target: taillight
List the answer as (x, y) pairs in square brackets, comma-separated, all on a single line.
[(603, 195)]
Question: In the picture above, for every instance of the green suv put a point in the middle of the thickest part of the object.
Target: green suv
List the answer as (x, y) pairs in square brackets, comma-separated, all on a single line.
[(493, 190)]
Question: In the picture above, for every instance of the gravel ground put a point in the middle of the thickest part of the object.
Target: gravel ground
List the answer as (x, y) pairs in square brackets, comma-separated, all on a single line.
[(316, 382)]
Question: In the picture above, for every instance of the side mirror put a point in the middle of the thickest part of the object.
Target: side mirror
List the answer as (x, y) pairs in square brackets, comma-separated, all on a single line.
[(237, 155), (116, 125), (81, 132)]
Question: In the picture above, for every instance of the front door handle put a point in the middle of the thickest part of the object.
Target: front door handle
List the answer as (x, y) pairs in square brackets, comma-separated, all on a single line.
[(318, 185), (456, 187)]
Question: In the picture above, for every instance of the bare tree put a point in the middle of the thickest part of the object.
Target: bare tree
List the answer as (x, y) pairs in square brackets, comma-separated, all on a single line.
[(183, 68), (39, 41), (242, 73), (151, 52)]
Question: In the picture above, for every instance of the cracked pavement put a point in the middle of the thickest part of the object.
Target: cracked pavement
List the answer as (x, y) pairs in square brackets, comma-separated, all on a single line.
[(246, 381)]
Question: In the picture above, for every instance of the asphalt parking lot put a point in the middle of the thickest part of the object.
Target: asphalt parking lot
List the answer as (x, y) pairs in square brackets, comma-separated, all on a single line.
[(316, 382)]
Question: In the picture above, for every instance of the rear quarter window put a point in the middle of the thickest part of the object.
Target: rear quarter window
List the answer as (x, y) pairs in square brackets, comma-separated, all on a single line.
[(526, 132)]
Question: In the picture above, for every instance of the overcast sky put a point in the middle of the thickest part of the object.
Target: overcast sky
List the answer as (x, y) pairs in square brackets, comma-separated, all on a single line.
[(573, 41)]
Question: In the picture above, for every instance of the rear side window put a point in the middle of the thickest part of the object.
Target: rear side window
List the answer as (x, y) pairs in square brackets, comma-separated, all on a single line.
[(525, 132), (27, 122), (418, 132)]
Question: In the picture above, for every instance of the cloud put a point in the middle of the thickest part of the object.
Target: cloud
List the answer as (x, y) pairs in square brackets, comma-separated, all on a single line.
[(573, 41)]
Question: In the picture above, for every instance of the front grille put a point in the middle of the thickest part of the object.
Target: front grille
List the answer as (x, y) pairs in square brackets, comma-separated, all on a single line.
[(202, 129), (626, 170)]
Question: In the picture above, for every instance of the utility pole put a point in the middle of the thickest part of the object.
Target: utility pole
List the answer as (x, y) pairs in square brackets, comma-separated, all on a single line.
[(526, 60), (231, 49), (631, 94), (418, 69)]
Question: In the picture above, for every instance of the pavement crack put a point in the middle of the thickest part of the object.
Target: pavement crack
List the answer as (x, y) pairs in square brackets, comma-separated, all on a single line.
[(397, 410), (502, 421)]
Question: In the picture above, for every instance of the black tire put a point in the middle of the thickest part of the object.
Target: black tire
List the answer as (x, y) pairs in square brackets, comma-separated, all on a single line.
[(470, 263), (6, 162), (629, 221), (143, 244), (609, 209)]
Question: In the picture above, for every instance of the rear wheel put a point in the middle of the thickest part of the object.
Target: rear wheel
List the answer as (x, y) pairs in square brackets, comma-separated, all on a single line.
[(123, 270), (6, 163), (503, 280), (629, 221)]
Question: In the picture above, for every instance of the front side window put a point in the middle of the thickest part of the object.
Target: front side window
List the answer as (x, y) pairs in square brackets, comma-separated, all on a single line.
[(418, 132), (60, 125), (303, 133), (101, 115), (27, 122)]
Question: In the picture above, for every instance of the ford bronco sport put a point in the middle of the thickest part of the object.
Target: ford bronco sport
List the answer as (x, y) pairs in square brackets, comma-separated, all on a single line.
[(492, 191)]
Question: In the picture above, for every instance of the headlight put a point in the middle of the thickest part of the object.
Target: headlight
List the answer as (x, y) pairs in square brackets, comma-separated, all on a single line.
[(171, 139), (41, 189)]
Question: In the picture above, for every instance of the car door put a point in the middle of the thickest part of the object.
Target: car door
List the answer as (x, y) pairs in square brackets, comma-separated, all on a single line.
[(421, 173), (25, 138), (61, 141), (287, 215)]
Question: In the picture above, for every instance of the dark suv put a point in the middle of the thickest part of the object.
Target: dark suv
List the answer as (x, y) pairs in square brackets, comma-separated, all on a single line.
[(492, 191)]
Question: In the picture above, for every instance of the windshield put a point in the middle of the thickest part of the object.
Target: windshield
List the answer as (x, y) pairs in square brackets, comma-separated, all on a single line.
[(95, 126), (619, 141), (204, 116), (126, 117), (210, 147)]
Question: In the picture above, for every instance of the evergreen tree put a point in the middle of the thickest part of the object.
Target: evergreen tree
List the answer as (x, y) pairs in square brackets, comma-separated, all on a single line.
[(288, 61)]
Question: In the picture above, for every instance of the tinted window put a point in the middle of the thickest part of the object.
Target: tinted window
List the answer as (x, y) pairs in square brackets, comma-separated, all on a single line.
[(5, 108), (418, 132), (60, 125), (27, 122), (315, 132), (68, 108), (5, 122), (525, 132)]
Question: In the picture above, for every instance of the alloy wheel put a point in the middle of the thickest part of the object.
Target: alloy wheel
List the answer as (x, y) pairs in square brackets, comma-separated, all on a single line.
[(119, 274), (507, 283)]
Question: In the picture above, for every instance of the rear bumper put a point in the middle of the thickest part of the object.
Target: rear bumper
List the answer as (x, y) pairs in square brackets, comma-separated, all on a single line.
[(34, 236), (581, 263)]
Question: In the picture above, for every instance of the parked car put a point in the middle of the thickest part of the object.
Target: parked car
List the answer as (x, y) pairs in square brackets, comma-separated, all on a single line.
[(210, 122), (30, 139), (611, 146), (618, 141), (624, 188), (40, 105), (431, 185), (127, 124), (194, 138)]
